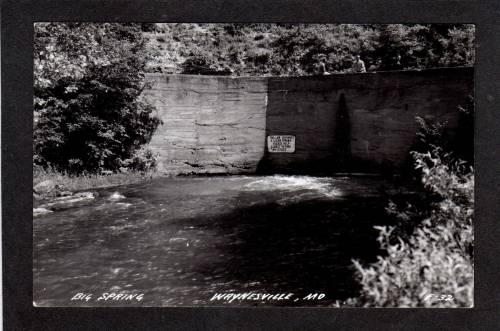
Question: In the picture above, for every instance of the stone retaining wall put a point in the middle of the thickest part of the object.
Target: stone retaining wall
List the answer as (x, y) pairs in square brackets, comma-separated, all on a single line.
[(348, 122)]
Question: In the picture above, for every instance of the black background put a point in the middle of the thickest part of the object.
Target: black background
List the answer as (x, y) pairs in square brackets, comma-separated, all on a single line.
[(17, 94)]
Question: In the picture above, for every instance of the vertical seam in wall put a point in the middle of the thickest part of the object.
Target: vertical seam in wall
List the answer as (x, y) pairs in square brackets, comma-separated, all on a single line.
[(265, 115)]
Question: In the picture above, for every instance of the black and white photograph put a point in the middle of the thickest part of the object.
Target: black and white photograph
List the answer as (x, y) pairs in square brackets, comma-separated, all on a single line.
[(253, 165)]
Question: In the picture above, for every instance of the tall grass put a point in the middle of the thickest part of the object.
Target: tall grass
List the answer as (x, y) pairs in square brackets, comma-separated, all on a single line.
[(87, 181)]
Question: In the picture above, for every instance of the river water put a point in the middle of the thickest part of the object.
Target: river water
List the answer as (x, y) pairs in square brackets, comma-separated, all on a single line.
[(180, 241)]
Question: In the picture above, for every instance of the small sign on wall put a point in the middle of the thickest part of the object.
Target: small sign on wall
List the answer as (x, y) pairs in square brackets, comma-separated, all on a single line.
[(281, 144)]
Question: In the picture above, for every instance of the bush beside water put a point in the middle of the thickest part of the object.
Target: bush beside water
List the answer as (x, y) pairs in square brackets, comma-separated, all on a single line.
[(90, 115), (428, 259), (433, 267)]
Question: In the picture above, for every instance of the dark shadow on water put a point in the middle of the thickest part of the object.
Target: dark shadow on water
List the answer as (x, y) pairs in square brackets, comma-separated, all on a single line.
[(182, 253), (301, 248)]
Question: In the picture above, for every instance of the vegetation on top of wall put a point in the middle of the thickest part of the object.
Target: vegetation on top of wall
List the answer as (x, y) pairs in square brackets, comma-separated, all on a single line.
[(296, 49)]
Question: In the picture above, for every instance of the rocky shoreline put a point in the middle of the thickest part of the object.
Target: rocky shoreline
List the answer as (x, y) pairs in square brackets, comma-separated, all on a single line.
[(49, 197)]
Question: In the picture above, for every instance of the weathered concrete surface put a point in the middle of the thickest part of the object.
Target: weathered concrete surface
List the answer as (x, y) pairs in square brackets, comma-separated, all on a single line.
[(359, 122), (210, 124), (350, 122)]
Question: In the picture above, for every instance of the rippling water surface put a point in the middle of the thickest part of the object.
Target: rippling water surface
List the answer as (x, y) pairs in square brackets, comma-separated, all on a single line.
[(179, 241)]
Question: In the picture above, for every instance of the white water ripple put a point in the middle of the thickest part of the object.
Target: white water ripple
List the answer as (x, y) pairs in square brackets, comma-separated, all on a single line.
[(305, 187)]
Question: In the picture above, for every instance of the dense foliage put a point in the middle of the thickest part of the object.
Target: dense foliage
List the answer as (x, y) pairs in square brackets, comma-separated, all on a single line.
[(433, 267), (88, 79), (429, 250), (296, 49), (458, 143)]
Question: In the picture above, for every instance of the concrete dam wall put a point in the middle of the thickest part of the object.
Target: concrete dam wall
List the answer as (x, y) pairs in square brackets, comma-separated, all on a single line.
[(313, 125)]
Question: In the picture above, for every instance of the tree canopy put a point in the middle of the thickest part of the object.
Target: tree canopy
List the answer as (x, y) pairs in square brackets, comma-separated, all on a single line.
[(295, 49)]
